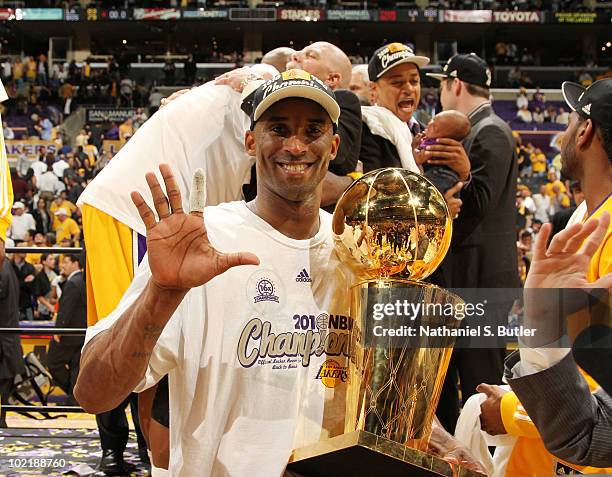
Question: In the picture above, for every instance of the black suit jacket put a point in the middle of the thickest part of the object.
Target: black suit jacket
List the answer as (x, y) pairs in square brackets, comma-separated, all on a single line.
[(72, 311), (349, 130), (11, 354), (592, 350), (483, 249)]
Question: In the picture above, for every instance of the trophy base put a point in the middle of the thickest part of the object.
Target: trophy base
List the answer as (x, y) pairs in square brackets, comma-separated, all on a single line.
[(363, 454)]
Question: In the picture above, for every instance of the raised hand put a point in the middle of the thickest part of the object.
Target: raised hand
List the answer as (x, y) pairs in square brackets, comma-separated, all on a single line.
[(180, 254), (564, 264)]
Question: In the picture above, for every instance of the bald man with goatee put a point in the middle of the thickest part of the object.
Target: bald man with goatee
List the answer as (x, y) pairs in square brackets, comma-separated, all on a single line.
[(331, 65), (278, 57)]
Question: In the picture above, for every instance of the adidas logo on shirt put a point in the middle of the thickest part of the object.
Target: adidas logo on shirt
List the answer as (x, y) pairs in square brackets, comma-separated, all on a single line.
[(303, 276)]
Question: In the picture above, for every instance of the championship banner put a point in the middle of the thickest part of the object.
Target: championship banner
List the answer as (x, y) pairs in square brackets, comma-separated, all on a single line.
[(352, 15), (29, 148), (466, 16), (413, 15), (112, 146), (156, 14), (387, 15), (252, 14), (518, 17), (206, 14), (104, 115), (301, 15)]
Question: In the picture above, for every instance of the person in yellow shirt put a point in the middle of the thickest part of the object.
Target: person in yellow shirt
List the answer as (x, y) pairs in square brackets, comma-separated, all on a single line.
[(126, 130), (553, 181), (92, 153), (61, 202), (538, 162), (586, 153), (67, 228), (31, 70)]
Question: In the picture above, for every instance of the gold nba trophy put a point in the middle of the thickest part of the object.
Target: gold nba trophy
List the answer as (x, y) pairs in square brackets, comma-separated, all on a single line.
[(392, 228)]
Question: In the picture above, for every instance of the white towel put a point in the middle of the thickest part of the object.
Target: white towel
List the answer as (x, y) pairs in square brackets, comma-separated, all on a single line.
[(469, 433), (384, 123)]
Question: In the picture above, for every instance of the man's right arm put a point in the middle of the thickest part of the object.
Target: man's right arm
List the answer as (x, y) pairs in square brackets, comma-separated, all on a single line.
[(180, 257), (121, 353)]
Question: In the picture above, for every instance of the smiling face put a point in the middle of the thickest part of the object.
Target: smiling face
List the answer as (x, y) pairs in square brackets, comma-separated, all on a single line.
[(293, 142), (399, 90)]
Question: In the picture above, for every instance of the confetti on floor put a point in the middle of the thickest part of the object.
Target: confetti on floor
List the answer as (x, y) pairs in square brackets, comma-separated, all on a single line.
[(28, 452)]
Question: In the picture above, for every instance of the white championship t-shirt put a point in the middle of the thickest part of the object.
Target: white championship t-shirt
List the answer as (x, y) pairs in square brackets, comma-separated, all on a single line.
[(247, 353), (204, 128)]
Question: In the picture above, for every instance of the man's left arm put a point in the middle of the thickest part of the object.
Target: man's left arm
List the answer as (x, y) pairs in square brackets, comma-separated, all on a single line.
[(575, 425)]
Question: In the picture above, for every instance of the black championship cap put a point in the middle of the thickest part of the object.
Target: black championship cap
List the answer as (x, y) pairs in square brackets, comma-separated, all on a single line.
[(470, 68), (291, 84), (594, 102), (390, 56)]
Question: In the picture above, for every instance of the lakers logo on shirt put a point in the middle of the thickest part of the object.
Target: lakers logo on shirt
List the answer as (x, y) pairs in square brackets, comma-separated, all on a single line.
[(331, 373)]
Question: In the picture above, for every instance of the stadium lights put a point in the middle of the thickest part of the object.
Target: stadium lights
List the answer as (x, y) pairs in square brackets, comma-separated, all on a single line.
[(609, 44), (124, 42)]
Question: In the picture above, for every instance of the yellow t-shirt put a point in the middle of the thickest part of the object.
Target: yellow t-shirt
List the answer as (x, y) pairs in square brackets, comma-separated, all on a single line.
[(33, 258), (125, 132), (550, 185), (538, 163), (66, 229), (66, 204), (31, 71), (92, 152), (601, 262)]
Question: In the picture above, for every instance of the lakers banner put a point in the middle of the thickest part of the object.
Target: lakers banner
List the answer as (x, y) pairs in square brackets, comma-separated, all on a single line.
[(111, 146), (30, 148)]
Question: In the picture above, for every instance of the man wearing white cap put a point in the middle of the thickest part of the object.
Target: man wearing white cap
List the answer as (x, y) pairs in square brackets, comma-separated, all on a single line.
[(66, 227), (22, 222)]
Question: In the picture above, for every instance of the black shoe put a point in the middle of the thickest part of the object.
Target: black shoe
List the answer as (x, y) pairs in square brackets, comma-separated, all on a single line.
[(112, 463)]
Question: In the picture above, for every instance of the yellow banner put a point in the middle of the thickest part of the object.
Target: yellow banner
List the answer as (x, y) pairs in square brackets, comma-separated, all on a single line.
[(30, 148)]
